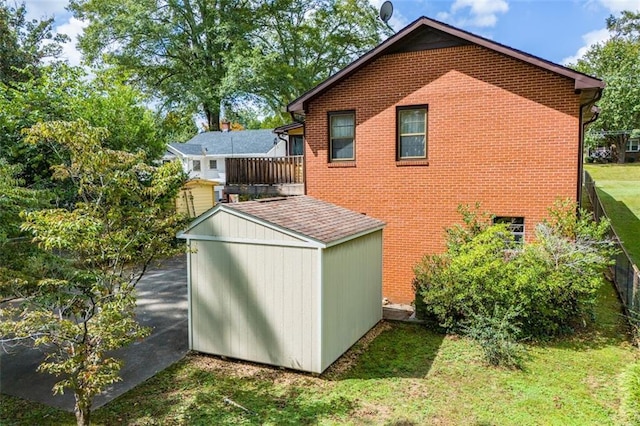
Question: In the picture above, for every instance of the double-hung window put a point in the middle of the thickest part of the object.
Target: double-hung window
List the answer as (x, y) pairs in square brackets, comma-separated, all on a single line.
[(633, 145), (412, 132), (213, 164), (342, 136), (196, 165)]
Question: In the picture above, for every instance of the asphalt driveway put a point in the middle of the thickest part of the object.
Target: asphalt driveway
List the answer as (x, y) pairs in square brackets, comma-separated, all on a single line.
[(162, 305)]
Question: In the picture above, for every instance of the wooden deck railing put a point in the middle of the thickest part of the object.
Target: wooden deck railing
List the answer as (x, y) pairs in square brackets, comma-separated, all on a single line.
[(264, 170)]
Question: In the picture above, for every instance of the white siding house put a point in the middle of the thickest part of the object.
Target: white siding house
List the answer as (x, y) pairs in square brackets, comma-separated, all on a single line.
[(203, 156), (292, 282)]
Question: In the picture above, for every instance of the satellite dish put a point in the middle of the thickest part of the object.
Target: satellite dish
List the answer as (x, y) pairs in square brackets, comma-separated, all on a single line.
[(386, 10)]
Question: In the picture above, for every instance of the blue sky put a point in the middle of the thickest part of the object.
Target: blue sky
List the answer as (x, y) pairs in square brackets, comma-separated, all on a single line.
[(556, 30)]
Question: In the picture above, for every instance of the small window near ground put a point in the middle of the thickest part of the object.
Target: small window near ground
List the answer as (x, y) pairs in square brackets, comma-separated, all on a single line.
[(196, 165), (213, 164), (516, 225), (342, 136), (412, 132), (633, 145)]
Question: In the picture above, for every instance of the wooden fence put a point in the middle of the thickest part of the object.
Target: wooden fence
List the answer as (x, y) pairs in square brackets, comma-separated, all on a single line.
[(626, 274), (264, 170)]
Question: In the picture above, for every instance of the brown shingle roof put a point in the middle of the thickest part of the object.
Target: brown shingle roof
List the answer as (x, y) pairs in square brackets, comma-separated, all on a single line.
[(322, 221)]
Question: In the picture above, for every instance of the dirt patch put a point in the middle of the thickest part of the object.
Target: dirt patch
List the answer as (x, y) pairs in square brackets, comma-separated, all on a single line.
[(245, 369)]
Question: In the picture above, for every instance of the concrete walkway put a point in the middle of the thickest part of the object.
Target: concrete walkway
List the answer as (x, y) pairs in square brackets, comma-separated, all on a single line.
[(162, 305)]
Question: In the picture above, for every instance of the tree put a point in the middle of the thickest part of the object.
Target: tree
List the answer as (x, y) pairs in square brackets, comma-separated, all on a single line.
[(232, 53), (179, 50), (617, 61), (24, 44), (64, 93), (124, 219), (299, 43), (20, 261), (175, 126)]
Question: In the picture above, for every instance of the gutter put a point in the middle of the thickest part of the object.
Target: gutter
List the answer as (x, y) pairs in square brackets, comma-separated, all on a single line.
[(596, 114)]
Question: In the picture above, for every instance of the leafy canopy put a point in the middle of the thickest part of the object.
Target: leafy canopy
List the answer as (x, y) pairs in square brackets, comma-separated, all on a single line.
[(24, 43), (617, 61), (99, 248), (204, 55)]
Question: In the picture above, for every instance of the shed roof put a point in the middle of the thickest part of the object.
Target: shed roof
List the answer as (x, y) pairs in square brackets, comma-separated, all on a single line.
[(305, 216), (230, 143), (425, 33)]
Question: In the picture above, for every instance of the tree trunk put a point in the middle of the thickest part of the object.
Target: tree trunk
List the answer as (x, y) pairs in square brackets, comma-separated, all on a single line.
[(82, 409), (213, 118), (621, 147)]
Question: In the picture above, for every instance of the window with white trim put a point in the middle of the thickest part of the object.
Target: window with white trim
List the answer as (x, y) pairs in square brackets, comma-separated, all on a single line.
[(516, 226), (213, 164), (412, 132), (342, 136), (633, 145), (196, 165)]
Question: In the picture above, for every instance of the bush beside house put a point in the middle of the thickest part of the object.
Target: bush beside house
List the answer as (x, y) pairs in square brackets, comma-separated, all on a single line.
[(544, 288)]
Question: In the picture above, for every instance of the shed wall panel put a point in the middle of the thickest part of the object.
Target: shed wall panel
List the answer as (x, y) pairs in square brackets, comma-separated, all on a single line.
[(351, 293), (195, 199), (256, 302), (226, 225)]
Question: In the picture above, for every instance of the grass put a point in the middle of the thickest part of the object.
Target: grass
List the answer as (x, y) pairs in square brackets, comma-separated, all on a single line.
[(406, 375), (618, 187)]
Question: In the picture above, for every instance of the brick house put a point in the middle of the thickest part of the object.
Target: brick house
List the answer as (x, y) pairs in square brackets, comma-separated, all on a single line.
[(435, 117)]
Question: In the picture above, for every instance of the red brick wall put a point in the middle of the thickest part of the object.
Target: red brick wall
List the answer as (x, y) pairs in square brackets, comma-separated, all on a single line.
[(500, 132)]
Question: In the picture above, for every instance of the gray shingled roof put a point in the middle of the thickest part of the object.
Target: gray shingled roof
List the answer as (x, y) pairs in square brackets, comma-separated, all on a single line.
[(322, 221), (233, 142), (187, 149)]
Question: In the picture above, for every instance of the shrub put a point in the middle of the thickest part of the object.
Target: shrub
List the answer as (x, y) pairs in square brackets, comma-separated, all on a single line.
[(497, 334), (552, 279)]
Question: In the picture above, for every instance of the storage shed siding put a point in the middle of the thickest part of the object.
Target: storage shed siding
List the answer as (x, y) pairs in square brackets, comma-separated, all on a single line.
[(195, 199), (256, 302), (351, 293), (227, 225)]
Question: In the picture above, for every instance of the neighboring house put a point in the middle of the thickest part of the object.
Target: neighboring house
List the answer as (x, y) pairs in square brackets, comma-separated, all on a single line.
[(633, 150), (435, 117), (203, 156)]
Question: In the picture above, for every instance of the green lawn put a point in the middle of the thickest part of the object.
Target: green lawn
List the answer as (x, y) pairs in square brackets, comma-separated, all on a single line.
[(406, 375), (619, 190)]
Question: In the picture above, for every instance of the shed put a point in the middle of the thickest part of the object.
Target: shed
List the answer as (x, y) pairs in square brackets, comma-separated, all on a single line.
[(196, 197), (291, 282)]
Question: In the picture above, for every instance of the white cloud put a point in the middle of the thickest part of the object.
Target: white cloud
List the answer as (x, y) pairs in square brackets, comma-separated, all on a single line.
[(616, 6), (479, 13), (73, 28), (40, 9), (589, 39)]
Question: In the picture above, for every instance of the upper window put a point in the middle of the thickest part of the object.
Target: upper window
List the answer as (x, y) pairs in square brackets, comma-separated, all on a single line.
[(412, 132), (213, 164), (196, 165), (633, 145), (342, 136), (516, 226)]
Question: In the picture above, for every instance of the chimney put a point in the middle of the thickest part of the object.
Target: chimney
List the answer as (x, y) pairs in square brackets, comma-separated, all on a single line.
[(225, 125)]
